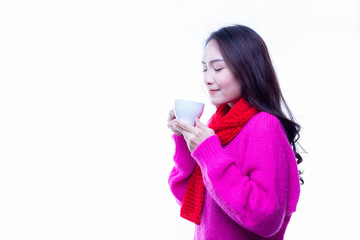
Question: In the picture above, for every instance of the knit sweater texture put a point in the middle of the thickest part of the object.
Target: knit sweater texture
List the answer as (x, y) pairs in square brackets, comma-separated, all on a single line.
[(251, 184)]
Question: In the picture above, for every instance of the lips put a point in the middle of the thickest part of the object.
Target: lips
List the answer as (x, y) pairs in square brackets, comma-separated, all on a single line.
[(213, 90)]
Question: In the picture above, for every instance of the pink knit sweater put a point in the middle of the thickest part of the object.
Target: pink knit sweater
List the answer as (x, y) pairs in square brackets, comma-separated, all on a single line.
[(252, 184)]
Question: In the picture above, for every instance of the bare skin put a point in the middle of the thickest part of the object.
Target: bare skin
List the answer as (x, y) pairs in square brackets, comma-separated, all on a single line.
[(193, 136), (223, 89)]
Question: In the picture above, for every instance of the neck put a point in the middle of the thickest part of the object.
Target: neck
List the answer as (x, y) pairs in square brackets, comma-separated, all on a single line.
[(232, 103)]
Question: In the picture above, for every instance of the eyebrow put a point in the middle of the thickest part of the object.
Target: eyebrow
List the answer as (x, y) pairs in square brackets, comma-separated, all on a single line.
[(212, 61)]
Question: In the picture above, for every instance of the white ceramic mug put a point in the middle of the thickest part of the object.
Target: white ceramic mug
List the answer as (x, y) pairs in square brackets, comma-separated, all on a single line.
[(187, 111)]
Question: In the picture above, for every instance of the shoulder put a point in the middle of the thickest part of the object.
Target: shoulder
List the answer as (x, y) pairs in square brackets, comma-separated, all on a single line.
[(263, 119), (264, 123)]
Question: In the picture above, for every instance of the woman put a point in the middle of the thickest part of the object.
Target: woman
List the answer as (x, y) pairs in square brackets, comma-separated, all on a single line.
[(237, 178)]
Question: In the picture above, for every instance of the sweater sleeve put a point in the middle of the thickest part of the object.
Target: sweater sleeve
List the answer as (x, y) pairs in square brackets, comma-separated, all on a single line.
[(252, 185), (184, 167)]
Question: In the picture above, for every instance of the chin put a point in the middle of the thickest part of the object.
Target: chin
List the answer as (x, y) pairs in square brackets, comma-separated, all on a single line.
[(216, 103)]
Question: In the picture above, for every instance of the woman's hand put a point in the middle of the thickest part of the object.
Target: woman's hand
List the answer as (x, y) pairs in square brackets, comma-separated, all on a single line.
[(194, 136), (171, 119)]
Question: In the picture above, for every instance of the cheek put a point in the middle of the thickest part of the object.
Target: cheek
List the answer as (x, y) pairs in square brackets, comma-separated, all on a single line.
[(230, 83), (233, 91), (237, 86)]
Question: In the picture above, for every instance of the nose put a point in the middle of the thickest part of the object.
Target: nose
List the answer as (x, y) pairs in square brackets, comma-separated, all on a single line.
[(208, 78)]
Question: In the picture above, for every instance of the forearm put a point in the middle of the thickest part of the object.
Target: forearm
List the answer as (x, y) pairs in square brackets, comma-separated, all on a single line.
[(184, 166), (249, 195)]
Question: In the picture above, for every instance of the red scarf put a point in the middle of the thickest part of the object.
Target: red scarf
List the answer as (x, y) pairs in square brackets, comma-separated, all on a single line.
[(227, 123)]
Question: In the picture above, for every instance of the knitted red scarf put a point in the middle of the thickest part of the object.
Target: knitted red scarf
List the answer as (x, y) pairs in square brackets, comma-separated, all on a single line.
[(227, 123)]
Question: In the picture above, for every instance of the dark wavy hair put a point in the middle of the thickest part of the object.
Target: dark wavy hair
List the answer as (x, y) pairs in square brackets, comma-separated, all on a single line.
[(248, 58)]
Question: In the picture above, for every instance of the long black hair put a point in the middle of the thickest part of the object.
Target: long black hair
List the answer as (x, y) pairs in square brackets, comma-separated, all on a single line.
[(248, 58)]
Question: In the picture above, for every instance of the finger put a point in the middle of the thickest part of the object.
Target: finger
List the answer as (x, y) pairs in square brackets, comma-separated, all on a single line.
[(173, 129), (182, 126), (171, 115), (178, 129), (170, 125), (199, 124)]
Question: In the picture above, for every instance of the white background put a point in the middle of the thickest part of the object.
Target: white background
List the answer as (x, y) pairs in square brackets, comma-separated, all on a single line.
[(85, 91)]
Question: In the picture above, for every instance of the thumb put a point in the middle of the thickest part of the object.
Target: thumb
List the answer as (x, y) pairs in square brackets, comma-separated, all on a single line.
[(199, 124)]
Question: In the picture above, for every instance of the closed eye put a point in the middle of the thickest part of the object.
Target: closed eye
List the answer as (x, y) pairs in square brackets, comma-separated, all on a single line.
[(218, 69)]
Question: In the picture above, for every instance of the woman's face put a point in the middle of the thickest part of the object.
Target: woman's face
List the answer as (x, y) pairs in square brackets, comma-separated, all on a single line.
[(220, 81)]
